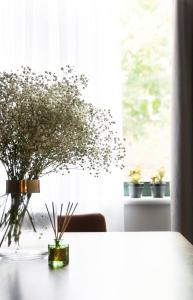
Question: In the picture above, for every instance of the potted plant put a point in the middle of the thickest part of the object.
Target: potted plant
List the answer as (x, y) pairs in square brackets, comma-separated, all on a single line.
[(46, 126), (158, 186), (135, 185)]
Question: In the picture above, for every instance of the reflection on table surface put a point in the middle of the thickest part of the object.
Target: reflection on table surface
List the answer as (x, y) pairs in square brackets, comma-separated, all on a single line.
[(153, 265)]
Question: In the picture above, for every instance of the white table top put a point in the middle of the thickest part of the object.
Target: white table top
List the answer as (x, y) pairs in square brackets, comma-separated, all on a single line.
[(107, 266)]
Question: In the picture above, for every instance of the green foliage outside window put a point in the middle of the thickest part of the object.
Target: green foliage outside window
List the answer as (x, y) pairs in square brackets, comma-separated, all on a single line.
[(146, 65)]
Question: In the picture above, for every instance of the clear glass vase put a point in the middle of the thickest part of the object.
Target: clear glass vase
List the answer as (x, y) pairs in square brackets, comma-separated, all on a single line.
[(32, 240)]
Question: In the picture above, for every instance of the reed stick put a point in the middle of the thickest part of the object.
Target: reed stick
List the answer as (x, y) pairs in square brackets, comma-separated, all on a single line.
[(61, 208), (54, 218), (68, 210), (67, 218), (50, 218), (68, 221)]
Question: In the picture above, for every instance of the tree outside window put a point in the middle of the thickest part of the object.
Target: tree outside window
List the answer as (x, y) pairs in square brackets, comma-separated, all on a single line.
[(146, 66)]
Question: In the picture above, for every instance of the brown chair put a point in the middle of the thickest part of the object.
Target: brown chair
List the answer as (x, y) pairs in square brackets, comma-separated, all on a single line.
[(84, 223)]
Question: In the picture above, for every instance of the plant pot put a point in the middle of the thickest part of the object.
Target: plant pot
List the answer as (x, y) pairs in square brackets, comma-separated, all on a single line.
[(135, 189), (58, 255), (158, 190)]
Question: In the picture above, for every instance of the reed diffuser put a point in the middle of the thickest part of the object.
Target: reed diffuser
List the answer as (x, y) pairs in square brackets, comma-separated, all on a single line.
[(58, 253)]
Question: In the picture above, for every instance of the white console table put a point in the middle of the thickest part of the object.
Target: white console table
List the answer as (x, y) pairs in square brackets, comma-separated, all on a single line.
[(147, 214)]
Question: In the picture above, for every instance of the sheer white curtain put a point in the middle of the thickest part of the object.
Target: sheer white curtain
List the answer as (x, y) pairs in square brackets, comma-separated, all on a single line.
[(48, 34)]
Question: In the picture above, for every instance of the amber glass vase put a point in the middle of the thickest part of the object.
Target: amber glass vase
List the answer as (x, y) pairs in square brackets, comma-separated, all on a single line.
[(58, 255)]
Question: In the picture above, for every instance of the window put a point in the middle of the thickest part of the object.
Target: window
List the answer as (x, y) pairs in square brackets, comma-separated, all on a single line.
[(146, 66)]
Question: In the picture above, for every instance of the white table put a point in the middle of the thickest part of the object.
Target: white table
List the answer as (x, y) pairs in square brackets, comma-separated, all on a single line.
[(107, 266)]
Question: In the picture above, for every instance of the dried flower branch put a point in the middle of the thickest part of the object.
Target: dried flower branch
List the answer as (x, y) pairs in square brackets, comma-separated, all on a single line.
[(45, 127)]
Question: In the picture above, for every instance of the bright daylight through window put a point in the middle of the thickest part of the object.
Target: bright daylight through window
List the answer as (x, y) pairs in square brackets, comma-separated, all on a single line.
[(146, 66)]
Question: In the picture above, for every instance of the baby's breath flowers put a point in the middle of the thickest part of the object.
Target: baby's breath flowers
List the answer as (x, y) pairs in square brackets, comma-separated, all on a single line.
[(45, 127)]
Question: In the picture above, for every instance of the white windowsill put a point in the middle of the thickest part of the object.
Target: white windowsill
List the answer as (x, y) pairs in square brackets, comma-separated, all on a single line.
[(147, 201)]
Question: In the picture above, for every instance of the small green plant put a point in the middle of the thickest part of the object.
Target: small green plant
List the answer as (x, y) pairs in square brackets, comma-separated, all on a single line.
[(158, 176), (135, 175)]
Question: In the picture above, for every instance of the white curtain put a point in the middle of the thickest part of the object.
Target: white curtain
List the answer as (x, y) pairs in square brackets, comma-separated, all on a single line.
[(48, 34)]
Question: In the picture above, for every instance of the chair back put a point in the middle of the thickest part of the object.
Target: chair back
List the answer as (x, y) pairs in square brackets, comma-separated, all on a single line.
[(84, 223)]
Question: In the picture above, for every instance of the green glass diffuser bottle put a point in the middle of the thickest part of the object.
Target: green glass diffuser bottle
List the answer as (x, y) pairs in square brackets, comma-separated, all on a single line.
[(58, 252)]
